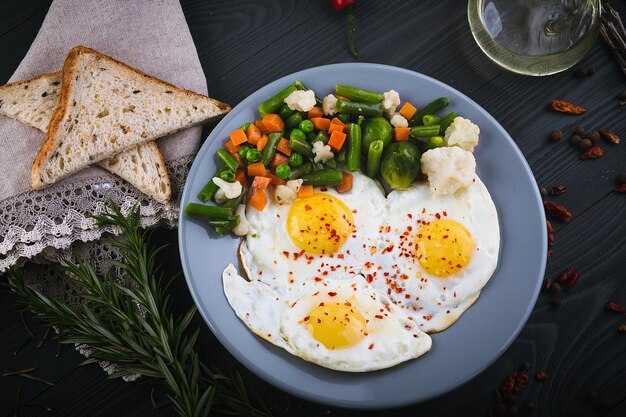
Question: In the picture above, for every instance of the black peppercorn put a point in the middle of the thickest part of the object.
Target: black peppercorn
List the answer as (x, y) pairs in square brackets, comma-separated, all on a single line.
[(513, 410), (529, 406), (593, 135), (580, 72), (556, 135), (556, 302), (554, 288), (575, 140), (622, 95), (591, 70), (579, 130), (585, 144), (525, 366), (621, 179), (543, 190)]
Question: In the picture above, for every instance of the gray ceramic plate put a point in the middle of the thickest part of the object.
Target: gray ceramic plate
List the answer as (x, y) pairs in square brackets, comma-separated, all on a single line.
[(459, 353)]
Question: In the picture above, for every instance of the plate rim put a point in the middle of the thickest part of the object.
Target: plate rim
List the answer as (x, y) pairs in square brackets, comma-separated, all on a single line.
[(268, 376)]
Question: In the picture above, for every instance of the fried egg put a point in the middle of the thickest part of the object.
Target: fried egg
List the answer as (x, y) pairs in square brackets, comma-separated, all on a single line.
[(327, 234), (341, 324), (439, 252)]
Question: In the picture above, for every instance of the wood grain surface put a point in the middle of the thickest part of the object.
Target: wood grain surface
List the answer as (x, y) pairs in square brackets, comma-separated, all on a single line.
[(243, 45)]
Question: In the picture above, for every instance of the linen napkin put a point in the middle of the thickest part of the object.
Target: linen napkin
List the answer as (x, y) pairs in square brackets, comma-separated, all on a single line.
[(152, 36)]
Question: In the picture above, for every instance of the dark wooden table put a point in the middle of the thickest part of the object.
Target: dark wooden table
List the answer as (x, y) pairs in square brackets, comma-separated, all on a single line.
[(245, 44)]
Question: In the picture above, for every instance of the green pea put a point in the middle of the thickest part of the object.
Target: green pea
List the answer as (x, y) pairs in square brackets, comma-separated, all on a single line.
[(253, 155), (306, 126), (297, 133), (285, 112), (245, 126), (283, 171), (296, 159), (243, 151), (343, 117)]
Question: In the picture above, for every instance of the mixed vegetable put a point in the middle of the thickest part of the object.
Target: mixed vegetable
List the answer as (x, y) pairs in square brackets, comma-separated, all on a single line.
[(301, 141)]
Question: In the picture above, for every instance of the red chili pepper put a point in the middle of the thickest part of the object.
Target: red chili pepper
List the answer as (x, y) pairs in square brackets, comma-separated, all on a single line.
[(611, 306), (346, 6), (341, 4)]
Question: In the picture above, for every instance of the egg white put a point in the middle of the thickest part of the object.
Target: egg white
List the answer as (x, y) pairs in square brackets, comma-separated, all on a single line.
[(391, 336)]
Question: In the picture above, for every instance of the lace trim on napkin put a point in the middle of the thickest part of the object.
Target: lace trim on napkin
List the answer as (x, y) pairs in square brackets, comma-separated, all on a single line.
[(41, 226)]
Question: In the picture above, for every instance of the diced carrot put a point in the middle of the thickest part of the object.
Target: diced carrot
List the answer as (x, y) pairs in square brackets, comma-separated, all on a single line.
[(336, 121), (253, 134), (275, 180), (256, 169), (260, 145), (315, 112), (241, 177), (283, 146), (238, 158), (305, 191), (238, 137), (320, 123), (334, 127), (260, 183), (400, 134), (273, 123), (231, 148), (336, 140), (261, 126), (407, 110), (279, 160), (258, 200), (346, 185)]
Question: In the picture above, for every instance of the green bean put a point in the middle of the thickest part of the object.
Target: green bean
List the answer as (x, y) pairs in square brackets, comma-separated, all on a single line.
[(273, 104), (222, 228), (210, 212), (446, 121), (364, 109), (285, 112), (294, 120), (300, 171), (295, 160), (360, 120), (374, 154), (330, 164), (270, 148), (430, 108), (318, 166), (323, 178), (228, 159), (358, 94), (345, 118), (320, 137), (301, 147), (209, 190), (341, 155), (300, 86), (228, 175), (424, 131), (354, 147), (434, 142), (431, 119)]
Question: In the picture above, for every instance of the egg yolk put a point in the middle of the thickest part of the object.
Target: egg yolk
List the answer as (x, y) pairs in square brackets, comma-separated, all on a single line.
[(336, 325), (319, 224), (443, 247)]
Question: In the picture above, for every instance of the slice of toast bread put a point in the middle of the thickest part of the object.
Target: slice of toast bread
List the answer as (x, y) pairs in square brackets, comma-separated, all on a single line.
[(107, 107), (33, 102)]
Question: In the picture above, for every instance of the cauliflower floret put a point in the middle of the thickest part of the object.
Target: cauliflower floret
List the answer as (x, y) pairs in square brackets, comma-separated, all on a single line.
[(287, 194), (448, 169), (398, 120), (243, 227), (391, 100), (322, 152), (229, 189), (329, 105), (462, 133), (301, 100)]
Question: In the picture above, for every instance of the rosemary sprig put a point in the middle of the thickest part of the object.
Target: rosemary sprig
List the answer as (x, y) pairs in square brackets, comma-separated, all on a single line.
[(613, 32), (125, 319)]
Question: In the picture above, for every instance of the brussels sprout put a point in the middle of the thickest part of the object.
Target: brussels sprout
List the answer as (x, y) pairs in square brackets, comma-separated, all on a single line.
[(400, 164), (376, 128)]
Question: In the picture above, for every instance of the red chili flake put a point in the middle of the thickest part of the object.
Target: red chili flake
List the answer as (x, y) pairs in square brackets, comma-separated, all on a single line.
[(306, 318), (541, 376), (620, 188), (332, 293), (611, 306), (569, 278), (556, 211), (548, 283), (521, 381), (592, 153), (370, 347), (378, 316)]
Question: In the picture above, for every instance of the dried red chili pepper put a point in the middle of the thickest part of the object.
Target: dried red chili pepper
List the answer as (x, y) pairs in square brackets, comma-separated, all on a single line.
[(550, 233), (563, 106), (569, 278), (347, 6), (592, 153), (541, 376), (556, 211), (521, 381), (620, 188), (611, 306), (609, 135), (558, 190), (548, 283)]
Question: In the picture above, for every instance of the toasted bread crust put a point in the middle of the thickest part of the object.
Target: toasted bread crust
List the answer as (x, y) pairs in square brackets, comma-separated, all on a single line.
[(69, 72)]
